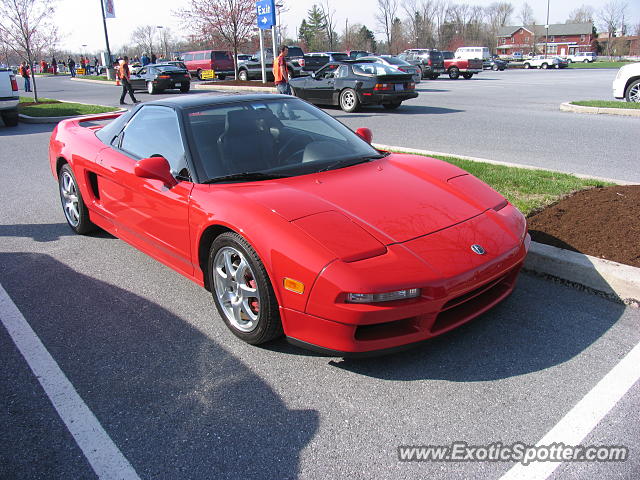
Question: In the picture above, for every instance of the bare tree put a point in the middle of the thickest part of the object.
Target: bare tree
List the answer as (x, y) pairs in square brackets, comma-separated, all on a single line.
[(498, 14), (420, 21), (611, 16), (582, 14), (26, 27), (529, 22), (385, 17), (329, 22), (230, 20), (143, 37)]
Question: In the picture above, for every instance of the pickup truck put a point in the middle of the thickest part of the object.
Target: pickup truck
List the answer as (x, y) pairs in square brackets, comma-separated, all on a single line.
[(540, 61), (252, 69), (315, 61), (467, 67), (9, 98)]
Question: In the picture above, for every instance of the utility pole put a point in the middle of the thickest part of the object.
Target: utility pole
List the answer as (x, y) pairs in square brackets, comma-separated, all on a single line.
[(108, 66), (546, 40)]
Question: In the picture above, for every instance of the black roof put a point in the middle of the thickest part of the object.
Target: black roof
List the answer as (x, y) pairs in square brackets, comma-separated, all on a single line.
[(204, 100)]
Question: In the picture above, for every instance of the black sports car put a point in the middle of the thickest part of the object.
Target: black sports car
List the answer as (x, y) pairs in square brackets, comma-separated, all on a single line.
[(155, 78), (352, 84)]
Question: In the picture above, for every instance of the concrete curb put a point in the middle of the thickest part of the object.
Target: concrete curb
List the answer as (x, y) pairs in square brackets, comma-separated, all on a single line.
[(615, 280), (29, 119), (233, 88), (625, 112), (497, 162)]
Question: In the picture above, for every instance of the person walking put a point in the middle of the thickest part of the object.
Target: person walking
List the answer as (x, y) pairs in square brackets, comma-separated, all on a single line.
[(124, 75), (24, 73), (153, 57), (95, 65), (144, 60), (281, 73), (72, 66), (54, 65)]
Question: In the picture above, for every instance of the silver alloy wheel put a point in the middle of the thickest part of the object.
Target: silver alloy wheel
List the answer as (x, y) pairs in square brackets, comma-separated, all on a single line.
[(348, 100), (634, 93), (70, 199), (150, 88), (236, 289)]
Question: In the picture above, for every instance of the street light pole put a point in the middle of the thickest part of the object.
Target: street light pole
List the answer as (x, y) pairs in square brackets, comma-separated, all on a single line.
[(162, 46), (546, 40), (108, 67)]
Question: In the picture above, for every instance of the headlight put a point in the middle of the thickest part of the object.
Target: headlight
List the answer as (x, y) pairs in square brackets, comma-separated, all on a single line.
[(383, 297)]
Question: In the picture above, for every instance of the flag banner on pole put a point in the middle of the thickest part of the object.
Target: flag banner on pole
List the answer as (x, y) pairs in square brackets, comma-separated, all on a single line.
[(109, 10)]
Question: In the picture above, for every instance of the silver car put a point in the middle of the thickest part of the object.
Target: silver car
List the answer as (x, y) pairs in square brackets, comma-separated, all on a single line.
[(395, 62)]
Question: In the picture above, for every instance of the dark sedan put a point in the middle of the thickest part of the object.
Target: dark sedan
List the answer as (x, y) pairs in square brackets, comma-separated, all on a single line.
[(156, 78), (494, 64), (352, 84)]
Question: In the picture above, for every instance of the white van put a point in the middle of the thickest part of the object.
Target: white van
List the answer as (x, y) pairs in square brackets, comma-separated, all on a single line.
[(473, 52)]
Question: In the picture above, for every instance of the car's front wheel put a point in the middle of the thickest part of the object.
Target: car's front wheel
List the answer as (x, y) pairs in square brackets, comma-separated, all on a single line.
[(454, 73), (243, 75), (151, 88), (494, 67), (633, 92), (467, 76), (545, 66), (73, 206), (585, 61), (242, 291), (527, 65), (349, 100)]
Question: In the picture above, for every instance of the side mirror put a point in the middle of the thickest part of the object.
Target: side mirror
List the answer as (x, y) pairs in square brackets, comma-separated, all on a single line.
[(155, 168), (365, 134)]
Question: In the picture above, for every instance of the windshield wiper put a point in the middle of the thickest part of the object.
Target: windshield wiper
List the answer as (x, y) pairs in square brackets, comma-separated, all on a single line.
[(246, 176), (348, 162)]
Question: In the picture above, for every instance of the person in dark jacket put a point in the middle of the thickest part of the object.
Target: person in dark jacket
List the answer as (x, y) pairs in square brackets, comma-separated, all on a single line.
[(72, 66), (25, 72), (144, 60)]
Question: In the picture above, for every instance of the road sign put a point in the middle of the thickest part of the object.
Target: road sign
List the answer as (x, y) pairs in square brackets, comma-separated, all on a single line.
[(266, 14), (207, 74)]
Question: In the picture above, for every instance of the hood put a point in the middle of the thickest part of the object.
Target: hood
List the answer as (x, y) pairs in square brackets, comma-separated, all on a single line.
[(395, 199)]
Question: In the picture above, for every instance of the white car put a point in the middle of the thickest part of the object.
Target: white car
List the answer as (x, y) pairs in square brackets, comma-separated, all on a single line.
[(8, 97), (627, 83), (540, 61), (585, 57)]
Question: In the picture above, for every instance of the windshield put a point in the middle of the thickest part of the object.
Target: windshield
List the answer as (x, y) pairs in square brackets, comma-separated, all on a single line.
[(375, 69), (279, 137), (340, 56)]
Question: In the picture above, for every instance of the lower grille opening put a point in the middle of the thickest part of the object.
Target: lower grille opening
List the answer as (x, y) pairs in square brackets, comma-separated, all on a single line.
[(380, 331), (466, 306)]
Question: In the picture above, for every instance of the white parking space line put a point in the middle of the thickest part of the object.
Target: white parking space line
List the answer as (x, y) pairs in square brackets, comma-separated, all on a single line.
[(584, 416), (104, 456)]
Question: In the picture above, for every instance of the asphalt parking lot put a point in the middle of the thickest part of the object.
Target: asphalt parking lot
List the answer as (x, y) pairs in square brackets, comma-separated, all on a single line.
[(180, 397)]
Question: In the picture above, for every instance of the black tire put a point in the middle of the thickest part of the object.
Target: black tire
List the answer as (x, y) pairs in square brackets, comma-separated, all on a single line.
[(349, 101), (585, 61), (494, 67), (527, 65), (151, 88), (73, 206), (433, 76), (221, 77), (467, 76), (454, 73), (267, 325), (632, 94), (544, 66), (185, 88), (10, 118), (243, 75), (391, 106)]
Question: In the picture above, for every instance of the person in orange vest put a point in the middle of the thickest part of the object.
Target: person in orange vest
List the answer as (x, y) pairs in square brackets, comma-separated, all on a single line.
[(281, 73), (124, 75)]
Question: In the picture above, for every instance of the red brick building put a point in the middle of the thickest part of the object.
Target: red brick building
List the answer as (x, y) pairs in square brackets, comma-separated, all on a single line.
[(564, 39)]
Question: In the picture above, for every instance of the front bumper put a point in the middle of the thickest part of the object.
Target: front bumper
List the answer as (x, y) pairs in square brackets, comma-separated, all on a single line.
[(456, 286), (618, 87)]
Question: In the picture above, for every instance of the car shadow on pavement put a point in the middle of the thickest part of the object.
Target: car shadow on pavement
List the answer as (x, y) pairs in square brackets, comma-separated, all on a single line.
[(25, 129), (517, 337), (39, 232), (405, 109), (174, 401)]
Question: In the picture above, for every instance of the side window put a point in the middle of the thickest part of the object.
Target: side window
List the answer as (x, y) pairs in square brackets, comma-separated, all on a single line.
[(142, 71), (199, 56), (165, 139), (188, 57), (343, 71)]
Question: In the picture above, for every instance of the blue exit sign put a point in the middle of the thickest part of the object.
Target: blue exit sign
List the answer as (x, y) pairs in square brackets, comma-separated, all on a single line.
[(266, 14)]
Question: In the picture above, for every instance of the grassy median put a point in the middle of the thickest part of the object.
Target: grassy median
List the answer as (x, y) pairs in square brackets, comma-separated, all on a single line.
[(529, 190), (102, 78), (598, 64), (606, 104), (48, 107)]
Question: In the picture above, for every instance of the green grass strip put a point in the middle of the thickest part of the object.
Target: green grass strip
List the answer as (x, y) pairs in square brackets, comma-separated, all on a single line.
[(606, 104), (598, 64), (529, 190), (55, 108), (102, 78)]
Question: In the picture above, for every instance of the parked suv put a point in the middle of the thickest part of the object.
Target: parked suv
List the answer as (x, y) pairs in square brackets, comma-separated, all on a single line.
[(220, 61), (8, 97), (585, 57), (627, 83), (431, 61)]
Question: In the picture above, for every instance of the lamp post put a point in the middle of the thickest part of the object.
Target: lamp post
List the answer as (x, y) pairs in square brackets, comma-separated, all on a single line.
[(162, 46), (279, 6), (108, 61), (546, 40)]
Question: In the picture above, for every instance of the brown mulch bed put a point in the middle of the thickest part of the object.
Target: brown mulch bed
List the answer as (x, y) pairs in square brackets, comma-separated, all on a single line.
[(601, 222), (27, 104), (241, 83)]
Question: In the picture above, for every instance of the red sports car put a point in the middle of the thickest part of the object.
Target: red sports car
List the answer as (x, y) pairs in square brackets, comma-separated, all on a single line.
[(296, 224)]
